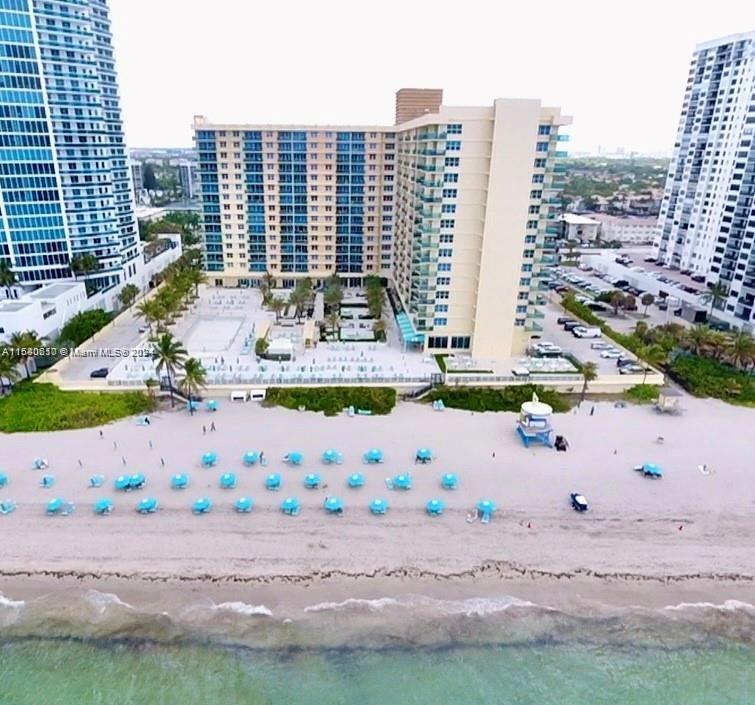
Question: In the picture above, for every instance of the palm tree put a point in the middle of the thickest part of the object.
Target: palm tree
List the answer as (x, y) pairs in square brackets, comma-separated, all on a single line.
[(194, 379), (9, 374), (83, 263), (647, 300), (148, 310), (651, 355), (276, 306), (718, 345), (151, 384), (170, 355), (741, 349), (589, 374), (616, 300), (698, 339), (128, 295), (7, 277), (715, 296), (296, 299), (642, 330), (333, 320), (25, 341)]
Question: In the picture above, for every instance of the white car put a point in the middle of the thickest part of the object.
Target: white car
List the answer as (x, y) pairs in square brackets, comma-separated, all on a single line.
[(602, 346), (583, 332), (611, 354)]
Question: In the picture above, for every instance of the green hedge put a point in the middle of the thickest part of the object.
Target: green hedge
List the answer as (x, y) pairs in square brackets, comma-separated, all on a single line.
[(503, 399), (44, 407), (708, 378), (332, 400), (642, 393), (84, 325)]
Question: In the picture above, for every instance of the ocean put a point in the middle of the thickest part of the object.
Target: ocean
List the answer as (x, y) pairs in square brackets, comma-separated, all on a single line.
[(91, 648)]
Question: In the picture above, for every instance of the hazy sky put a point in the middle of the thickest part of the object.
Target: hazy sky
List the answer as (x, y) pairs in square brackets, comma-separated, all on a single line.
[(618, 68)]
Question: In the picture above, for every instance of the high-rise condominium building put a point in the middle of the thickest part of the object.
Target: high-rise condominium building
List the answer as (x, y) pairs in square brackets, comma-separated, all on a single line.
[(456, 209), (65, 185), (707, 219)]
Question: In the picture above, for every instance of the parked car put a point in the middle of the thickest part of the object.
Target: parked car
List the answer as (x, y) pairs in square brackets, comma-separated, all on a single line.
[(564, 319), (611, 354), (631, 370), (587, 332), (699, 278), (99, 373), (578, 502), (571, 325), (601, 346)]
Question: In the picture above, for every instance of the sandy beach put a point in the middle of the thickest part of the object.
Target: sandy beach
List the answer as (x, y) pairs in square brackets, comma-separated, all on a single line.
[(688, 535)]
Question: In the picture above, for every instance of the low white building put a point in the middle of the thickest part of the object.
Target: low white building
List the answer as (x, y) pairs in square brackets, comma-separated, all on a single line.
[(579, 227), (628, 230)]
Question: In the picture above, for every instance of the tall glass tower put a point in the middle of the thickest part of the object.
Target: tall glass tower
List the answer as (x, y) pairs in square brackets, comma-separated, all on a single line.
[(65, 184)]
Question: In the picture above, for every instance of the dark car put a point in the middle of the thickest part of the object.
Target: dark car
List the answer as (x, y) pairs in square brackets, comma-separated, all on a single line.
[(564, 319), (562, 289), (578, 502), (571, 325), (100, 373), (699, 278)]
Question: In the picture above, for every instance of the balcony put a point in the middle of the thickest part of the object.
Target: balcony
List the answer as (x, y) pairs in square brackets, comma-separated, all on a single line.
[(533, 314), (562, 138), (561, 154), (534, 327)]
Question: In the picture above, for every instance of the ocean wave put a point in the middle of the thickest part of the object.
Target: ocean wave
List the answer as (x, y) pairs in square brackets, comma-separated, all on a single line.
[(6, 602), (244, 608), (102, 601), (354, 603), (726, 606)]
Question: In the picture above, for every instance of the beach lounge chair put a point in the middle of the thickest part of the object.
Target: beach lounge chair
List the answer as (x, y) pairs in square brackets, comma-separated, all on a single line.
[(96, 481), (47, 481), (39, 464), (7, 506)]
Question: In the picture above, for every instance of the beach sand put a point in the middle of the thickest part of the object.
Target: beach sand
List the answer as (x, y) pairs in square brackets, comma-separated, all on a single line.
[(686, 537)]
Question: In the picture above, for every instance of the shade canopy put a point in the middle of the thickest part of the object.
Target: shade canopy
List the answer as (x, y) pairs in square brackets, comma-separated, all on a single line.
[(312, 481), (652, 469), (212, 405), (243, 504), (435, 506), (403, 481), (378, 506), (202, 505), (331, 456), (356, 480), (122, 482), (103, 506), (209, 458), (374, 455), (486, 506), (147, 505), (228, 480), (3, 479), (294, 457), (7, 506), (333, 504), (251, 457), (290, 505), (136, 481), (424, 454), (449, 481), (55, 505), (96, 480), (179, 481), (273, 481)]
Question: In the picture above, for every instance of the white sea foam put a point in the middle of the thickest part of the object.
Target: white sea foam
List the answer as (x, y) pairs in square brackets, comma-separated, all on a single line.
[(727, 606), (10, 604), (354, 603), (244, 608), (102, 600), (477, 606)]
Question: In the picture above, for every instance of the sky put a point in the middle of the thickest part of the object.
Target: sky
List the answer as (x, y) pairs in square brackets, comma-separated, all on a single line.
[(618, 69)]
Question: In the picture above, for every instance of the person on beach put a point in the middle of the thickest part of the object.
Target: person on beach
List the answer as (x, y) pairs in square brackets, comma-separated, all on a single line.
[(115, 445), (123, 460), (592, 411), (101, 434), (204, 430), (162, 462), (81, 465), (150, 444), (494, 454), (212, 426)]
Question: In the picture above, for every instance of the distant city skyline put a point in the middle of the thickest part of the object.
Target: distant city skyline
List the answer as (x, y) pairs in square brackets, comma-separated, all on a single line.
[(621, 81)]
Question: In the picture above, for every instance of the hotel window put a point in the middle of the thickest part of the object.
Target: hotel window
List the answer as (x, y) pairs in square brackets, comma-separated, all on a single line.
[(536, 194), (444, 266), (446, 238), (450, 193), (445, 252), (447, 223), (537, 178), (443, 308), (441, 294), (453, 145), (454, 129), (450, 178), (440, 321), (544, 130), (531, 223), (448, 208), (452, 161), (542, 146), (539, 163)]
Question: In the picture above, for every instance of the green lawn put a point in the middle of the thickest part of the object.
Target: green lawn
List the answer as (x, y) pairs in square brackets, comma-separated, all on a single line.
[(44, 407), (502, 399), (332, 400)]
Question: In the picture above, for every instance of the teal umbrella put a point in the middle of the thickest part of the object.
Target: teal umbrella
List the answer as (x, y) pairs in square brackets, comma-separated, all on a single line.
[(290, 505), (148, 505), (486, 506), (331, 456), (273, 481), (122, 482), (179, 481), (312, 481), (374, 455), (435, 507), (294, 458), (356, 480), (202, 505), (243, 505), (103, 506), (652, 470), (449, 481), (3, 479), (378, 506), (251, 457), (136, 481), (209, 459), (424, 455), (96, 480), (7, 506), (402, 482), (333, 505), (227, 481), (211, 405), (55, 506)]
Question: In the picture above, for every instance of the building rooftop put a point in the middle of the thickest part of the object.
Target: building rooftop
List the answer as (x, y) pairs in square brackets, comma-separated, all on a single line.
[(641, 220), (52, 291), (13, 306), (574, 219)]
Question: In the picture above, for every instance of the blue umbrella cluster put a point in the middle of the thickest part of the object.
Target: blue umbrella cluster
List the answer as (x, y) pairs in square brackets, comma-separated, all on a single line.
[(374, 455), (148, 505), (124, 483)]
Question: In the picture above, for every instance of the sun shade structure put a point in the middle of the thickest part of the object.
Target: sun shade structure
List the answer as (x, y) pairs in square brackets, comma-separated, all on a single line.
[(293, 458), (373, 455), (7, 506), (136, 481), (333, 505), (3, 479), (485, 509), (435, 507), (273, 481), (409, 333), (378, 506), (332, 457), (39, 464), (355, 480), (290, 506), (449, 481), (96, 480), (47, 481), (227, 481), (102, 506), (148, 505), (121, 483), (251, 457), (58, 506), (312, 481), (651, 470), (203, 505), (211, 405), (243, 505), (209, 459), (402, 481), (179, 481), (424, 455)]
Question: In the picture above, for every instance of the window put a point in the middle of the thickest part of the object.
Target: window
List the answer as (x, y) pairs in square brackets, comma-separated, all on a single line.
[(544, 130), (440, 321), (450, 178), (448, 208), (443, 308), (446, 238), (537, 178), (454, 145), (531, 223), (450, 193), (539, 163), (460, 341), (536, 194), (447, 223), (454, 129), (445, 267), (542, 146), (452, 161), (437, 341), (445, 252), (444, 281), (441, 294)]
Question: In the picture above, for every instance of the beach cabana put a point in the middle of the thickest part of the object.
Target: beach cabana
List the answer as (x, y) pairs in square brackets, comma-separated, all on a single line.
[(39, 464), (47, 481), (290, 506), (435, 507), (122, 483), (273, 481), (59, 506), (378, 506), (423, 455), (211, 405), (243, 505), (209, 459), (331, 457), (293, 458), (148, 505), (449, 481), (3, 479), (650, 470), (373, 455), (312, 481), (485, 509), (227, 481), (251, 457), (203, 505), (355, 480), (103, 506), (399, 482), (7, 506), (136, 481), (96, 480), (179, 481), (333, 505)]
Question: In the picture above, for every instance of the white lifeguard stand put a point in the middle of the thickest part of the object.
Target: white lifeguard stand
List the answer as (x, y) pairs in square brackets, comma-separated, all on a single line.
[(534, 425)]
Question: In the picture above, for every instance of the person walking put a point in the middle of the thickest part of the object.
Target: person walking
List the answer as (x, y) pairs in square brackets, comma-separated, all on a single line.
[(204, 430), (212, 426), (150, 444), (101, 434), (592, 411)]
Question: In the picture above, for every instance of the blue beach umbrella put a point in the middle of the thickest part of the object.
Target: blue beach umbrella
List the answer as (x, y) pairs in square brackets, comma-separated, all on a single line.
[(251, 457), (211, 405), (122, 482), (652, 470), (55, 506), (449, 481), (47, 481), (7, 506), (103, 506), (273, 481), (202, 505), (402, 482), (312, 481), (435, 507), (227, 481), (424, 455), (209, 459), (373, 455), (96, 480), (486, 506), (378, 506), (243, 505), (331, 456), (294, 458), (148, 505), (333, 505), (355, 480), (136, 481), (290, 505), (3, 479), (179, 481)]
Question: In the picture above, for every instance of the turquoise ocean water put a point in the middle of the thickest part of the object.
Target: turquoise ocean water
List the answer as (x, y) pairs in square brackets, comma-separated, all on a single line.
[(97, 650)]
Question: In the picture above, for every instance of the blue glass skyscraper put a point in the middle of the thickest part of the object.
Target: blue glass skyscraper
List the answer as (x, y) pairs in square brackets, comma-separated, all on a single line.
[(65, 187)]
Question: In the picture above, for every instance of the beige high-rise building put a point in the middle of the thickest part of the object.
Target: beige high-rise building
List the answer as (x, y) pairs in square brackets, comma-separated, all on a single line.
[(412, 103), (456, 209)]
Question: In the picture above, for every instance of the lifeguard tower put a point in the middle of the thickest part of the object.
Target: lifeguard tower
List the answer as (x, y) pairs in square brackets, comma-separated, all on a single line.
[(534, 425)]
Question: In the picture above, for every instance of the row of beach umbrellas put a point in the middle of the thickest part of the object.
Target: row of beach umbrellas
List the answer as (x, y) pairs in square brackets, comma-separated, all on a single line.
[(328, 457)]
